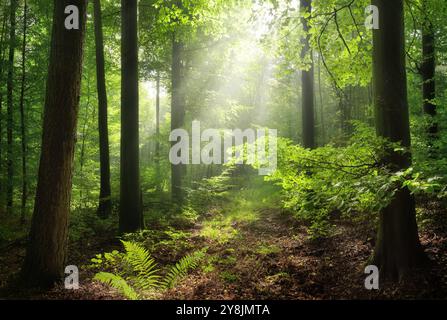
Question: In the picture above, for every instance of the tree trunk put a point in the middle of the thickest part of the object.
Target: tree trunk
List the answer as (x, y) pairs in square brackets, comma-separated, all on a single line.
[(157, 131), (177, 116), (22, 116), (2, 59), (130, 206), (427, 71), (398, 248), (105, 201), (46, 254), (307, 80), (320, 91), (10, 105)]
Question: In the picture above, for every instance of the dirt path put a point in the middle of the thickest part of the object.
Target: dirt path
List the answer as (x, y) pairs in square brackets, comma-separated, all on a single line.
[(270, 257)]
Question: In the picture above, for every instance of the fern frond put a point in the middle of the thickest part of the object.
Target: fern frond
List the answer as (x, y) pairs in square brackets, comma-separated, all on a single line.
[(143, 264), (181, 269), (118, 283)]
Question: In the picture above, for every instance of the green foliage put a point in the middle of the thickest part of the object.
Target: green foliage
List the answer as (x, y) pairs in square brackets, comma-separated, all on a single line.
[(142, 264), (181, 269), (118, 283), (136, 271), (317, 184)]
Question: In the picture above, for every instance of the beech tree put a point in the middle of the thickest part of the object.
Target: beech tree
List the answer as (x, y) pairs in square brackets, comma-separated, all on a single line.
[(46, 253), (130, 201), (105, 201), (398, 249), (307, 81)]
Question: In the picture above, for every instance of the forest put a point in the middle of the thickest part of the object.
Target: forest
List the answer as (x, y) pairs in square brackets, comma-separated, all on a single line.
[(223, 150)]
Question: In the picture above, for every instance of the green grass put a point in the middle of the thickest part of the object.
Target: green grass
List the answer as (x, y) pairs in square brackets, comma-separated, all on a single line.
[(266, 250), (243, 207), (229, 277)]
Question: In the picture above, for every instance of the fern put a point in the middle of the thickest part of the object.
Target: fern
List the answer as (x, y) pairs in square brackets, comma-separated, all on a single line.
[(142, 273), (142, 263), (181, 269), (118, 283)]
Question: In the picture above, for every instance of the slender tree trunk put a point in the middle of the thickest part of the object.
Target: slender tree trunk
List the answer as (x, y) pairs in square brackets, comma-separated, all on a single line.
[(22, 116), (307, 80), (46, 254), (105, 201), (2, 60), (84, 134), (130, 206), (177, 116), (10, 105), (157, 130), (427, 71), (398, 248), (320, 91)]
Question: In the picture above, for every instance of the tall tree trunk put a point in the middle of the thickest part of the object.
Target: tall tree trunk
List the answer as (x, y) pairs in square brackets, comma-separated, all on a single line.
[(130, 206), (10, 105), (427, 71), (22, 115), (157, 130), (46, 254), (398, 248), (105, 201), (2, 59), (320, 91), (307, 80), (177, 116)]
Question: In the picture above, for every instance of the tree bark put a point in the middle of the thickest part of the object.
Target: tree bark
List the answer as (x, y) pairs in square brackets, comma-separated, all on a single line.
[(2, 59), (157, 131), (320, 91), (105, 201), (398, 249), (46, 254), (22, 116), (177, 116), (307, 81), (130, 206), (10, 106)]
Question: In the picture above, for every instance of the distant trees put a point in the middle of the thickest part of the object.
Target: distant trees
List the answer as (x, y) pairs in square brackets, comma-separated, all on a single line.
[(398, 248), (46, 252), (130, 201), (427, 69), (105, 201)]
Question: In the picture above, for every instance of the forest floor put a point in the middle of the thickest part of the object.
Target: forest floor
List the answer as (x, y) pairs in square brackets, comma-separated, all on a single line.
[(255, 250)]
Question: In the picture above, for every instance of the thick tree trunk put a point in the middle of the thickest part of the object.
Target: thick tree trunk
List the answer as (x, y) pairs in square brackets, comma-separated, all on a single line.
[(307, 83), (10, 106), (130, 206), (22, 116), (46, 253), (398, 248), (105, 201), (177, 116)]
